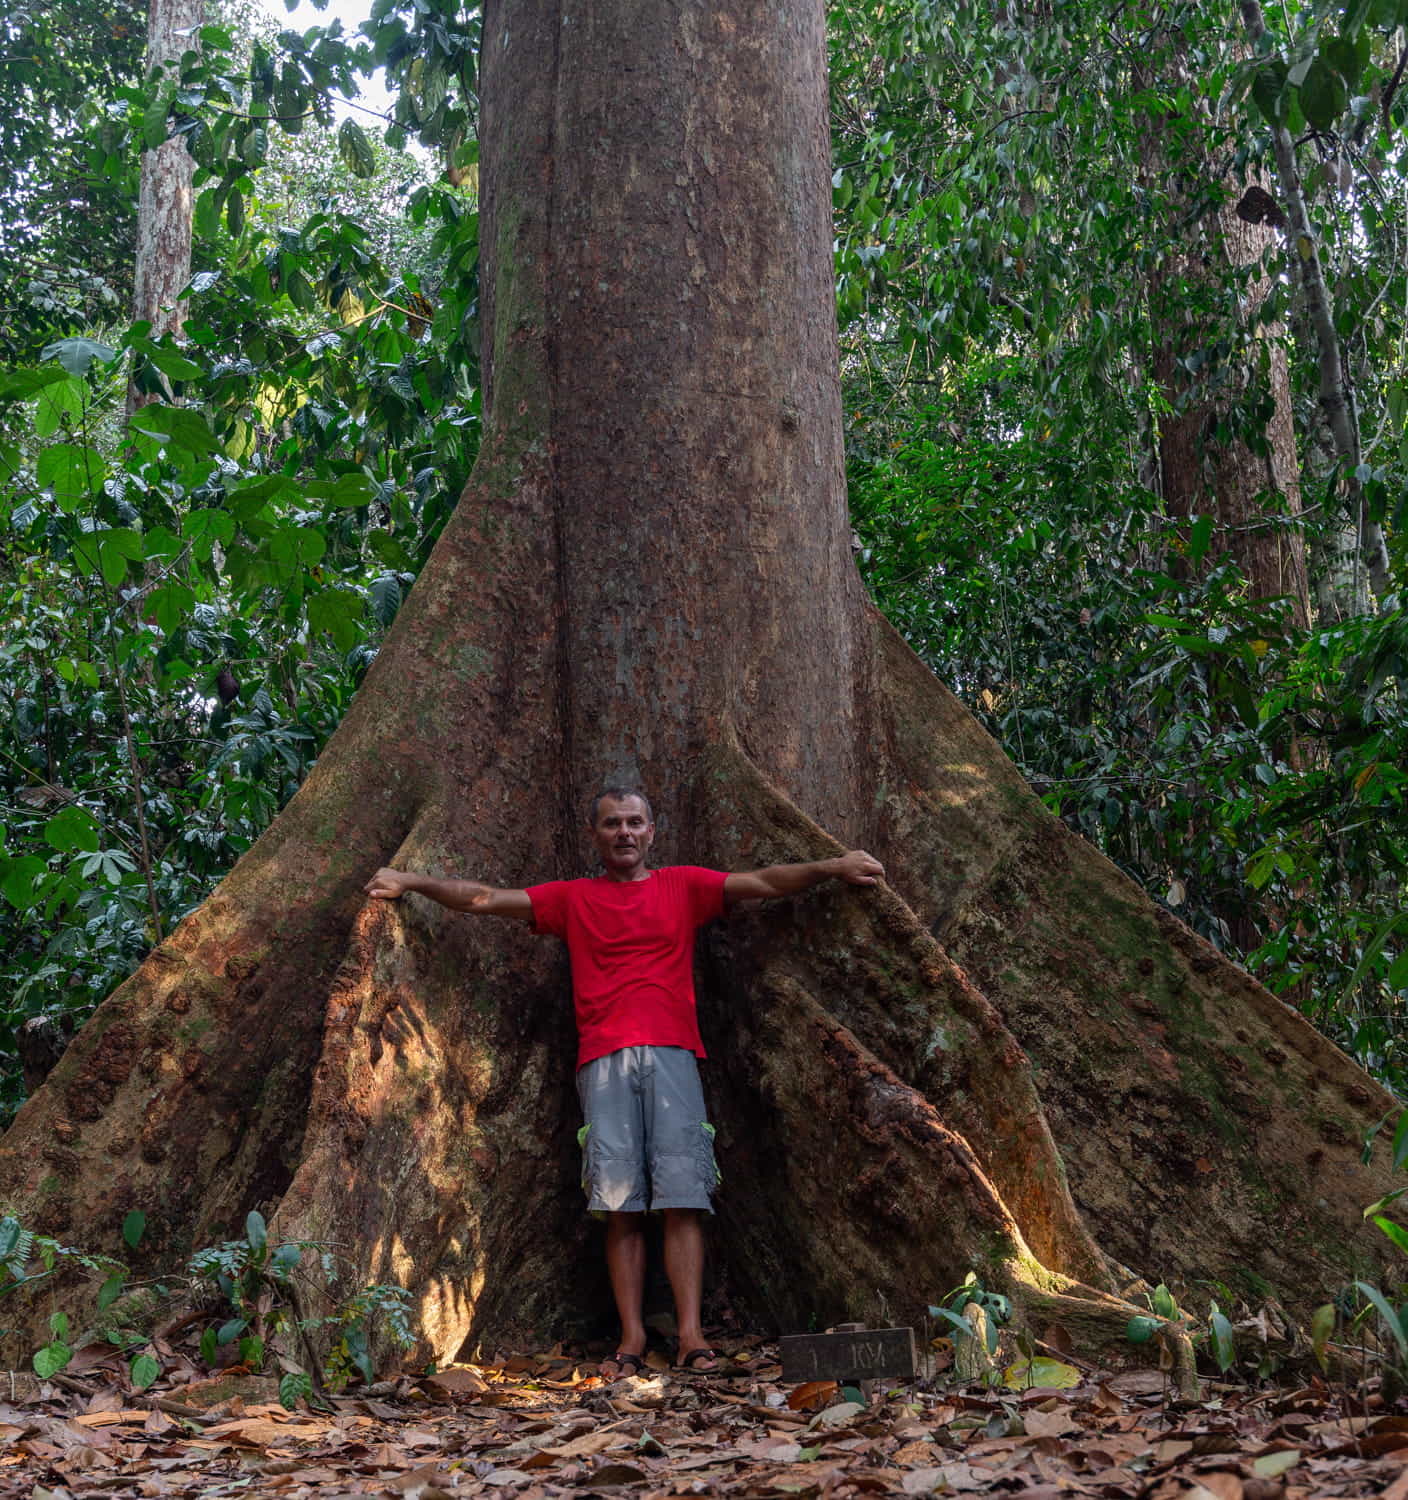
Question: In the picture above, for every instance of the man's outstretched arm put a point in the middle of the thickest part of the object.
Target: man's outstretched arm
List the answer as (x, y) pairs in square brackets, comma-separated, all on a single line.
[(856, 868), (457, 895)]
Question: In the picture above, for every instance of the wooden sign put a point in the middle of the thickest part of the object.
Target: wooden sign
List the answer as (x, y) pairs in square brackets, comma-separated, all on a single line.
[(852, 1354)]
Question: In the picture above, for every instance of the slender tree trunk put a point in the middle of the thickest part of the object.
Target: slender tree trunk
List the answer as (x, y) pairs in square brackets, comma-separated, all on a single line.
[(1336, 395), (1007, 1061), (164, 205)]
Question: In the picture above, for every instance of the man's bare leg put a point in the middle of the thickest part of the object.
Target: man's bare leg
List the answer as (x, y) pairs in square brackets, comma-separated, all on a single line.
[(684, 1265), (625, 1264)]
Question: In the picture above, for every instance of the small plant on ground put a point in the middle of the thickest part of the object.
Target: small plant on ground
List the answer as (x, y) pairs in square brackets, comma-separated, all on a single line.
[(259, 1284)]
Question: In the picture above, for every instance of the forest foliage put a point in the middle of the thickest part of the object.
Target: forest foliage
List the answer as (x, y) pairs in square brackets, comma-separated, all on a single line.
[(195, 589)]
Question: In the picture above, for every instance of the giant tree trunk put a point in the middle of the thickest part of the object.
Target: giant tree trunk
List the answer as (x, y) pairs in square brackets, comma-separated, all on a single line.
[(1005, 1061)]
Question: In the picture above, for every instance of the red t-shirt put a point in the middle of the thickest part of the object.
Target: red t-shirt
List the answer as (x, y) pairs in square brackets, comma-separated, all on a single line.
[(631, 943)]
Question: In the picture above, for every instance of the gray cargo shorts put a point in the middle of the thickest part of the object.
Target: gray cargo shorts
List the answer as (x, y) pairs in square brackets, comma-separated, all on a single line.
[(646, 1143)]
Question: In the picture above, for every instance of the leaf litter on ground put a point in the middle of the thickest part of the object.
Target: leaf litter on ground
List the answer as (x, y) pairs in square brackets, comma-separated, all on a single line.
[(539, 1426)]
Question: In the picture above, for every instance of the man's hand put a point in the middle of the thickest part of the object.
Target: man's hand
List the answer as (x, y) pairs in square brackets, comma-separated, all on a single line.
[(859, 868), (856, 868), (389, 884), (457, 895)]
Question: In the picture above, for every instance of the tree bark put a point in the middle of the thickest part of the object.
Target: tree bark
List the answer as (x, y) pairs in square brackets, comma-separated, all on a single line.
[(1005, 1061), (1203, 469), (1336, 395), (164, 204)]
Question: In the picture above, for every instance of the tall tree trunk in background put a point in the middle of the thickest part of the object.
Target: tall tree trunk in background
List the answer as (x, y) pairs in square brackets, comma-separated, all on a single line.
[(164, 204), (1205, 468), (1006, 1061)]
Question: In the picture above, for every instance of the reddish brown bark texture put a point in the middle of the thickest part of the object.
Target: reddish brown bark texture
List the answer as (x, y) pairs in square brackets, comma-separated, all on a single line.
[(1005, 1062)]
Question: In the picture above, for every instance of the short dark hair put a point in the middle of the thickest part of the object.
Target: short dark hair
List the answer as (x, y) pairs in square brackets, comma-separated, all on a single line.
[(616, 794)]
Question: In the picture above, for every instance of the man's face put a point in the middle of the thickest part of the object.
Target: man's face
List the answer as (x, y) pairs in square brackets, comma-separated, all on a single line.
[(622, 834)]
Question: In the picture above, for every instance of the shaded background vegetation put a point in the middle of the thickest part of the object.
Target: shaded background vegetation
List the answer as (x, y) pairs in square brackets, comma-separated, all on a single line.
[(1085, 405)]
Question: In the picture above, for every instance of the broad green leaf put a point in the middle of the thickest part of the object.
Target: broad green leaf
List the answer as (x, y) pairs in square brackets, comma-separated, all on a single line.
[(252, 1352), (72, 471), (356, 149), (171, 362), (1322, 95), (21, 384), (59, 403), (336, 611), (1041, 1371), (134, 1226), (51, 1359), (111, 1290), (1164, 1304), (229, 1332), (1199, 538), (209, 1346), (77, 354), (348, 490), (256, 1231), (73, 828), (178, 427), (144, 1371), (1140, 1329), (19, 879)]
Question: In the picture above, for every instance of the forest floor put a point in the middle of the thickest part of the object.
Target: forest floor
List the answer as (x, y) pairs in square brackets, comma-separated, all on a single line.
[(535, 1427)]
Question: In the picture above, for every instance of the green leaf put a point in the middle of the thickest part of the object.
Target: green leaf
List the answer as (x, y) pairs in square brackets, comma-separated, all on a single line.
[(1199, 538), (356, 149), (1348, 58), (348, 491), (1394, 1232), (111, 1290), (20, 878), (73, 828), (1322, 95), (336, 611), (175, 364), (1039, 1370), (207, 215), (134, 1225), (252, 1353), (176, 427), (209, 1346), (255, 1230), (229, 1332), (144, 1371), (58, 403), (285, 1258), (1387, 1315), (294, 1387), (1268, 86), (1140, 1329), (234, 212), (1400, 1141), (76, 354), (51, 1359), (72, 471), (154, 122), (1224, 1342), (1322, 1325), (1164, 1304)]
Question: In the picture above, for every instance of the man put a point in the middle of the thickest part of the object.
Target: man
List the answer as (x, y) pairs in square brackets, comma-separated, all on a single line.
[(630, 937)]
